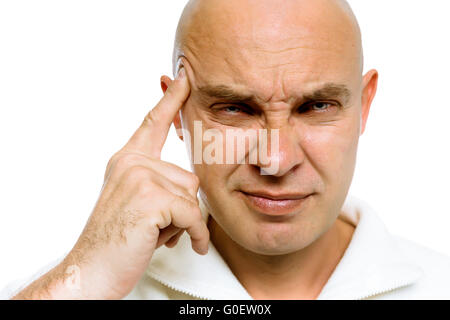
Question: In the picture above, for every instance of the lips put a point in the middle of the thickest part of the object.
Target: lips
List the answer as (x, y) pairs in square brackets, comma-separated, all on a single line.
[(275, 204)]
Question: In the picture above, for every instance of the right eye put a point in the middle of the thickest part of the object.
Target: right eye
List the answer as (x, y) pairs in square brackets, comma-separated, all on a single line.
[(233, 110)]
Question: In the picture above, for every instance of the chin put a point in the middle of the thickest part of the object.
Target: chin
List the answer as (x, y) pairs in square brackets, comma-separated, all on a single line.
[(277, 239), (272, 249)]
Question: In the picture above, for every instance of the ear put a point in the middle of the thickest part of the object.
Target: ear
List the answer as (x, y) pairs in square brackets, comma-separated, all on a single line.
[(370, 83), (165, 83)]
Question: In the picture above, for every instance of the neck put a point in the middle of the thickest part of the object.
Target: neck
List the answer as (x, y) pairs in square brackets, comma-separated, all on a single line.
[(298, 275)]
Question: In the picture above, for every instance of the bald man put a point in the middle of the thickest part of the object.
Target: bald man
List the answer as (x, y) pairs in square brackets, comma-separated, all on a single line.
[(284, 228)]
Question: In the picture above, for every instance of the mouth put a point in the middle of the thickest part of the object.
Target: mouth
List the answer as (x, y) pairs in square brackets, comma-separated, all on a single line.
[(275, 204)]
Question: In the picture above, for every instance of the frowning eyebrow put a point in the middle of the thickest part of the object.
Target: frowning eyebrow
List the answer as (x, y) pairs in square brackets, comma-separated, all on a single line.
[(223, 92), (328, 91)]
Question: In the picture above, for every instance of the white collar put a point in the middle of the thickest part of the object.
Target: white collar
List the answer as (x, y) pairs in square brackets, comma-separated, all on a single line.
[(371, 265)]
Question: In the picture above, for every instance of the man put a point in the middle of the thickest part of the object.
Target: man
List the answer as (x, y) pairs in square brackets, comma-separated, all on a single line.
[(276, 229)]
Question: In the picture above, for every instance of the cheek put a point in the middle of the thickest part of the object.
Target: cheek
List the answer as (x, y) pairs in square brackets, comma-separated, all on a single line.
[(332, 150)]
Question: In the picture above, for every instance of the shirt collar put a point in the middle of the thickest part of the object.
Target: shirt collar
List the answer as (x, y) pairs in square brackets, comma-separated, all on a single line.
[(371, 265)]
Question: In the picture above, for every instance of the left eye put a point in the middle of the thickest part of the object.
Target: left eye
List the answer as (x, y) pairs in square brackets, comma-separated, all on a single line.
[(319, 106)]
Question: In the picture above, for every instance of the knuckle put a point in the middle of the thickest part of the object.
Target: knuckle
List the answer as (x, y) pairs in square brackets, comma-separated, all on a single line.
[(136, 173), (194, 181), (194, 210), (165, 219), (126, 161), (146, 188), (191, 212), (198, 213), (111, 161)]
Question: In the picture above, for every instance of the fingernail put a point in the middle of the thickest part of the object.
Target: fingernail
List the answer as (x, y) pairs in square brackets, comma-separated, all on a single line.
[(181, 73)]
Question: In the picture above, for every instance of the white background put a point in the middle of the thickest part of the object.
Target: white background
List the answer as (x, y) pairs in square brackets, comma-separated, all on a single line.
[(77, 78)]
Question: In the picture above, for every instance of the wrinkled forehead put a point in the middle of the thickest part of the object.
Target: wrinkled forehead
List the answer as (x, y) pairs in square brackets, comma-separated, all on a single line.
[(272, 48)]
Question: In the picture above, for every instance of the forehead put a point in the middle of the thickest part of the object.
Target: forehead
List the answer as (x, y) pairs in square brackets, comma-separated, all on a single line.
[(272, 48)]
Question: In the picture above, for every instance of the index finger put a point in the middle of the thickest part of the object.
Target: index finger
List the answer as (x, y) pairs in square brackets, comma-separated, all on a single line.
[(150, 137)]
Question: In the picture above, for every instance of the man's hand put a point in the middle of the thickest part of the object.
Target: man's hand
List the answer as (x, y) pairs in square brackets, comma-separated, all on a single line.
[(144, 203)]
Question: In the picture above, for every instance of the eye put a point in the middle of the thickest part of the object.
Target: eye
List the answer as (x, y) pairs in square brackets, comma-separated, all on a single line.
[(317, 107), (232, 109)]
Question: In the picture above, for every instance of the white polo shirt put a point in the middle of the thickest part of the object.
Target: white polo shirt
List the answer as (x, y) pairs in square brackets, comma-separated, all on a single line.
[(376, 265)]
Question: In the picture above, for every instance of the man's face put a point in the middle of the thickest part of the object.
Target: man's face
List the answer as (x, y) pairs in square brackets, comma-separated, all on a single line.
[(301, 70)]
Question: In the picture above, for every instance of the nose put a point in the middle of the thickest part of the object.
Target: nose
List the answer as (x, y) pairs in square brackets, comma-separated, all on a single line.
[(283, 152)]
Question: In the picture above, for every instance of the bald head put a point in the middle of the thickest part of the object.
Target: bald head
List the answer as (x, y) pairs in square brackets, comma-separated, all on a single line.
[(264, 21)]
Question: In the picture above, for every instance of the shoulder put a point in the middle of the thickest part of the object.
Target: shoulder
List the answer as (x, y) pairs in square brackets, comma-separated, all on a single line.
[(429, 259), (435, 280)]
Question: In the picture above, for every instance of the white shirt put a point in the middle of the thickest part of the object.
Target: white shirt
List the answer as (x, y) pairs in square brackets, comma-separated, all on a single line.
[(376, 265)]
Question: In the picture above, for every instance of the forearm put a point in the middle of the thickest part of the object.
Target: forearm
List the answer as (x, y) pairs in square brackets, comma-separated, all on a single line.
[(63, 282)]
